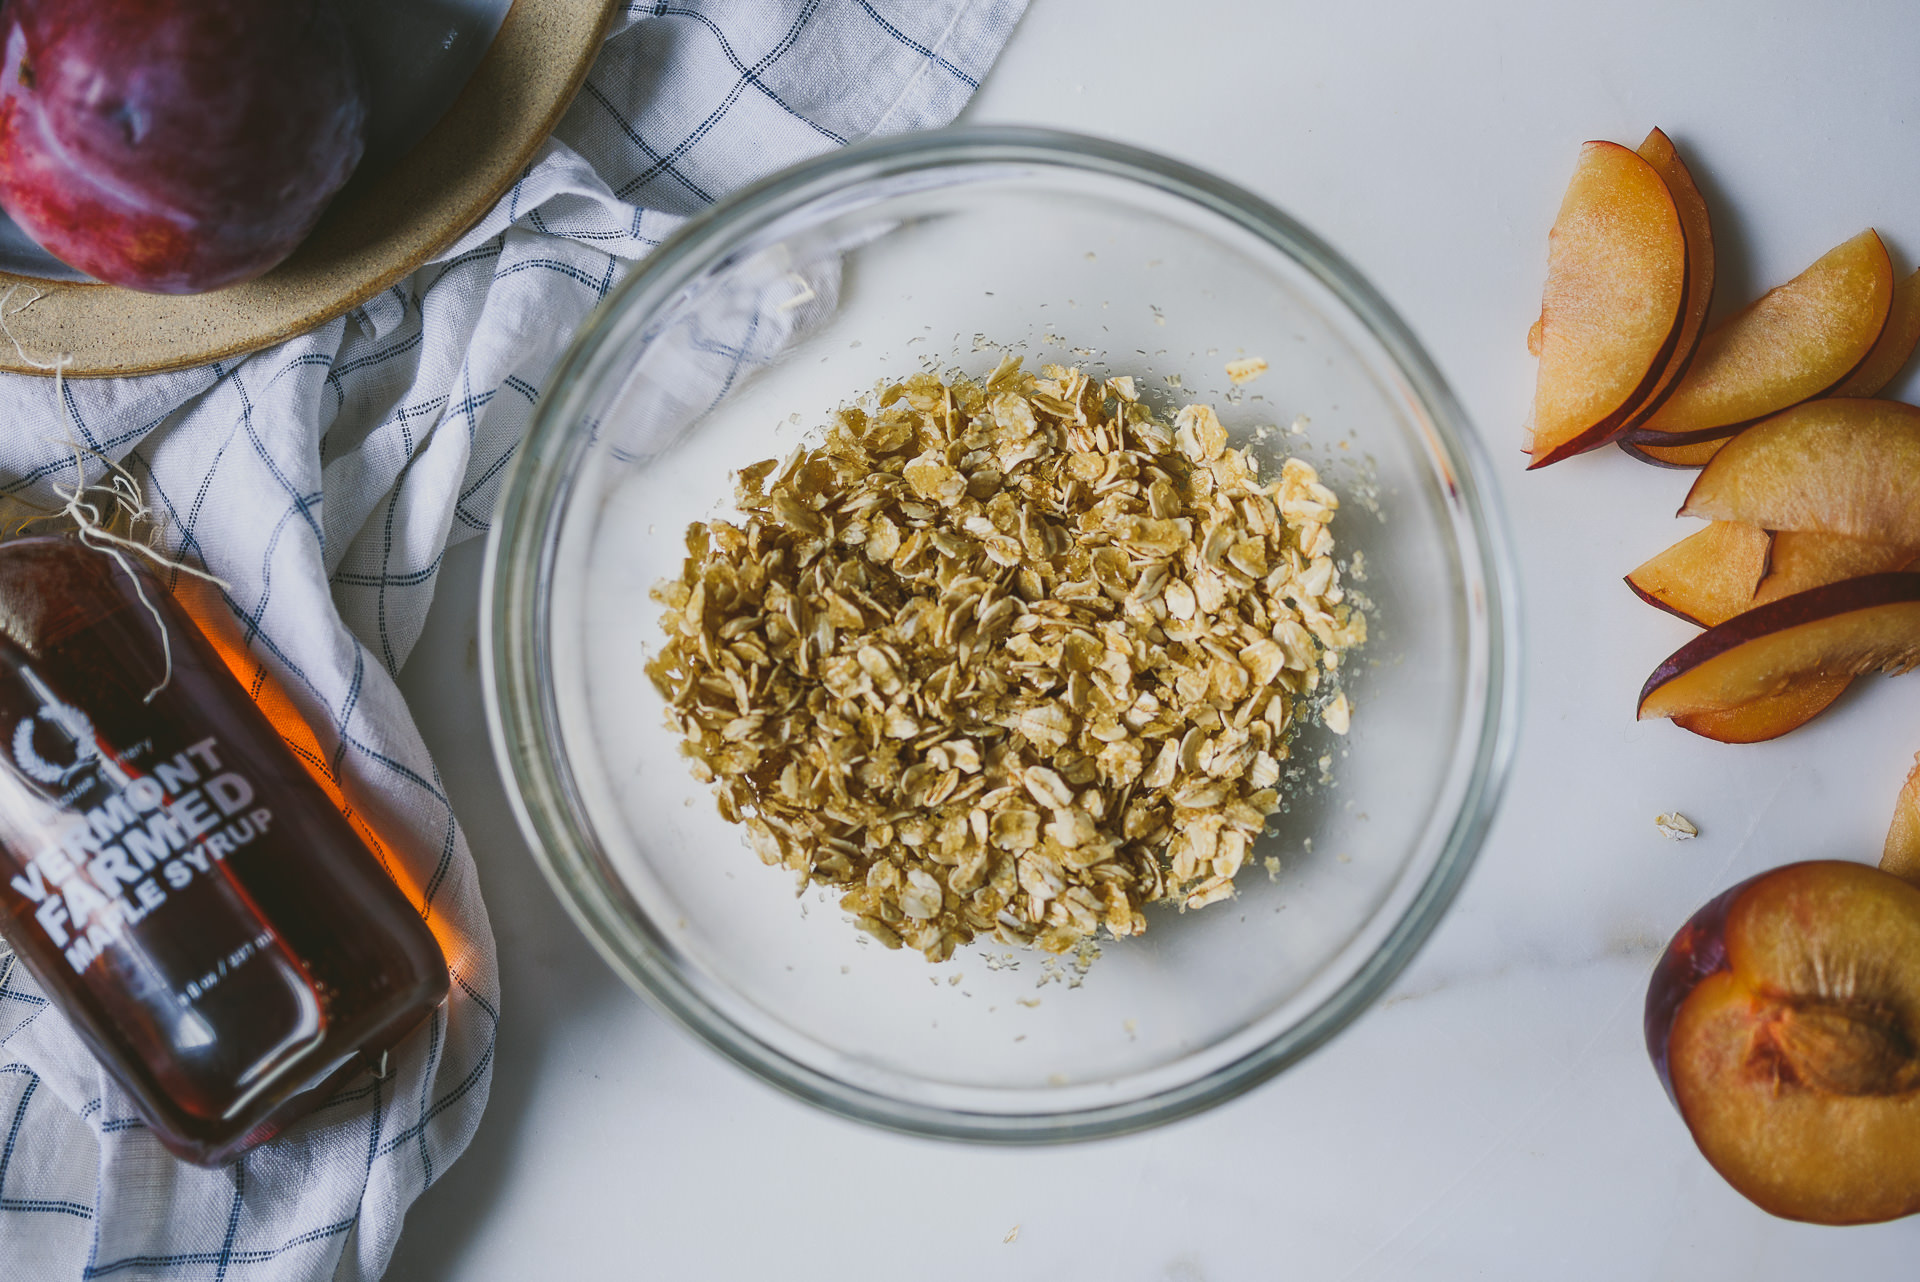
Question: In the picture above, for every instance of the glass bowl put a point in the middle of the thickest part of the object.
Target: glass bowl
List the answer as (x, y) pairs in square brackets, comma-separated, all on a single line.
[(733, 342)]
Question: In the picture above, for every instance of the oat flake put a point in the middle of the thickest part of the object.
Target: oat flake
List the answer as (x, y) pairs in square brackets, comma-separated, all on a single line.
[(1676, 826)]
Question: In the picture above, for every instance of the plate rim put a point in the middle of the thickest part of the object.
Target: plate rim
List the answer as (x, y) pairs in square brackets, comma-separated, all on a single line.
[(366, 241)]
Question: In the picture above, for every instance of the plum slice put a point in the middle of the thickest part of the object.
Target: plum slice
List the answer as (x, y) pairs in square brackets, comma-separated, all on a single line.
[(1840, 630), (1895, 346), (1889, 356), (1696, 226), (1803, 559), (1799, 562), (1794, 342), (1767, 717), (1838, 466), (1784, 1020), (1616, 280), (1711, 575), (1707, 577), (1689, 454), (1901, 856)]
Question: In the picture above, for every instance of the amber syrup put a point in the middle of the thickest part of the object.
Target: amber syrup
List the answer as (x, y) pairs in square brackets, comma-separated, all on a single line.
[(179, 885)]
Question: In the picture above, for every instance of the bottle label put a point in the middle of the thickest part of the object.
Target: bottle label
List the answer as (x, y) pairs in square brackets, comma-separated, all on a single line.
[(136, 830)]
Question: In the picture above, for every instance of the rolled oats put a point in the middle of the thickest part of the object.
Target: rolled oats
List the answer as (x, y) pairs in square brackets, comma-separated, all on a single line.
[(1245, 371), (1011, 658)]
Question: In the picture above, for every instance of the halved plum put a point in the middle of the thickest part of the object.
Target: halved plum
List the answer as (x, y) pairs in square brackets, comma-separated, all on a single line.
[(1616, 280), (1840, 630), (1833, 466), (1784, 1021)]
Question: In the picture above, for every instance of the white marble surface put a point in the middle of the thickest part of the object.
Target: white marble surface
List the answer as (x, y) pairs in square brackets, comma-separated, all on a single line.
[(1495, 1116)]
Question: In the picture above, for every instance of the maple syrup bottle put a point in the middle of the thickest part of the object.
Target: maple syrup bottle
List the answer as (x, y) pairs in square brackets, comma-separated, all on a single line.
[(179, 886)]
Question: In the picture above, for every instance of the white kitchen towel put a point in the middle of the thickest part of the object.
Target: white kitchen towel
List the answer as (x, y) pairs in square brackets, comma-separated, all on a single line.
[(323, 480)]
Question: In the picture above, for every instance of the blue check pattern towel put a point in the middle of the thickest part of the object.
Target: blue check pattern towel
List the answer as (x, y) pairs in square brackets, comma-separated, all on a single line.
[(323, 479)]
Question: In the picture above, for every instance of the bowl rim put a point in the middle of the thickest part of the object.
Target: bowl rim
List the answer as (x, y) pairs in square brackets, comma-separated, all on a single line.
[(522, 711)]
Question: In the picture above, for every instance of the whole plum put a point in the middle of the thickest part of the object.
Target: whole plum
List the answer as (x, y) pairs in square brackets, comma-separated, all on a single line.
[(175, 146)]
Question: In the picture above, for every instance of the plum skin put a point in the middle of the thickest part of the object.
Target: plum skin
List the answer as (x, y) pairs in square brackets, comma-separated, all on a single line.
[(1697, 950), (175, 146)]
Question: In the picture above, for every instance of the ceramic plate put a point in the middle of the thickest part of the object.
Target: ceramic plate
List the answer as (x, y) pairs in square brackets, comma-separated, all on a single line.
[(463, 93)]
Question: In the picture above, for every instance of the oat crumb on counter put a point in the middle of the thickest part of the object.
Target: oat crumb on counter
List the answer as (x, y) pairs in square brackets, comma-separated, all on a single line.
[(1676, 826)]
